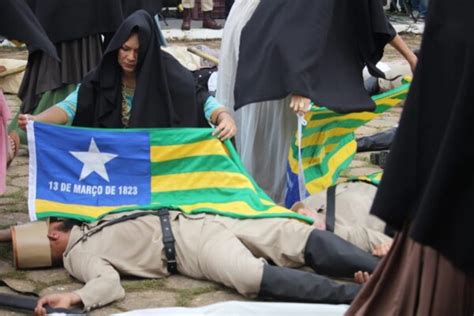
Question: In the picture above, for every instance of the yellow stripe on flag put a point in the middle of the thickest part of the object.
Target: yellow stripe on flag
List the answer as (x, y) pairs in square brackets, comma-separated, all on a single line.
[(319, 138), (363, 116), (44, 206), (334, 162), (200, 180), (309, 162), (240, 208), (388, 101), (172, 152)]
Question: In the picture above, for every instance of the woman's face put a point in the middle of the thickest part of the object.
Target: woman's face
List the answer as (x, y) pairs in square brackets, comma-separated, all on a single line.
[(128, 54)]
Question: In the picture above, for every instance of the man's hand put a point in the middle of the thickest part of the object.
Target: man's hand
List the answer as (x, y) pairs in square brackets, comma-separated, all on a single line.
[(299, 104), (58, 300), (23, 120), (225, 126)]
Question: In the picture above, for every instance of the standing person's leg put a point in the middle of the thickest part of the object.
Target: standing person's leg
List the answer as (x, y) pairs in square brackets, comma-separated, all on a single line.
[(207, 21), (415, 5), (188, 5), (423, 8), (228, 6)]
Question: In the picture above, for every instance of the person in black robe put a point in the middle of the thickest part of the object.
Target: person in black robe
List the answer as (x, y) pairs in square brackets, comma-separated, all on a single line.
[(427, 190), (291, 52), (17, 22), (314, 49), (164, 93), (76, 28)]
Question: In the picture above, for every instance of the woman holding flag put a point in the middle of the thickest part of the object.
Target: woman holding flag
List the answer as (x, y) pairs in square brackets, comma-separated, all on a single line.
[(138, 85)]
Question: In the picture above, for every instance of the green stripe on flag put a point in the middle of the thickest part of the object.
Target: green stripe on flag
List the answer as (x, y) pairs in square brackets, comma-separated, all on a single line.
[(175, 136), (193, 164), (216, 195)]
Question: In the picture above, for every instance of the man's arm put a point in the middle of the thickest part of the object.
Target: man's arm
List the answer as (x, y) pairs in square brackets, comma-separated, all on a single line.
[(102, 283), (58, 300)]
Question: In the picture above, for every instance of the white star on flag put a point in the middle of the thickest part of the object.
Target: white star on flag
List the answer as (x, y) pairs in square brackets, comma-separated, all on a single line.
[(94, 161)]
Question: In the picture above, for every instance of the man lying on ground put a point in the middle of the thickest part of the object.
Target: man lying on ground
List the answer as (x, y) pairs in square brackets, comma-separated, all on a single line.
[(353, 221), (233, 252)]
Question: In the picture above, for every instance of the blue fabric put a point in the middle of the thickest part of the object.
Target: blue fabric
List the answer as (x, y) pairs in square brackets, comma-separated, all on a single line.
[(71, 180)]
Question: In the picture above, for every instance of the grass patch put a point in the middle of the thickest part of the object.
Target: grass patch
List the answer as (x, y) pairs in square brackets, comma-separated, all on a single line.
[(186, 296), (17, 208), (143, 285), (6, 250), (41, 285), (18, 195), (17, 274)]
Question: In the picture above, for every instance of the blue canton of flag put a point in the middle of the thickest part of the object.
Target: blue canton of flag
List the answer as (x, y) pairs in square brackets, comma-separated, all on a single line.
[(81, 167)]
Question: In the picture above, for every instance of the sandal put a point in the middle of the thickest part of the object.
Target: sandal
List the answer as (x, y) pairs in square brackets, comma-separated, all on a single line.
[(13, 147)]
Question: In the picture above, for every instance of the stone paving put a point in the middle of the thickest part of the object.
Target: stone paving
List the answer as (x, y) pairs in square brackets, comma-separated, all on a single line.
[(173, 291)]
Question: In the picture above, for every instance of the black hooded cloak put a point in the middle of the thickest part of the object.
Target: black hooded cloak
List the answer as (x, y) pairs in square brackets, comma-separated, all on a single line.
[(429, 177), (19, 23), (312, 48), (165, 93), (73, 19)]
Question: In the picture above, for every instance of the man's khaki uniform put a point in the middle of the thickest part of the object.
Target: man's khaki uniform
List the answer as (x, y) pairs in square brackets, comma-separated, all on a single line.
[(353, 220), (221, 249)]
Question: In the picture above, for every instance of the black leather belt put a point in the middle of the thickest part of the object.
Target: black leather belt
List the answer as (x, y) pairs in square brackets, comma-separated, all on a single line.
[(168, 240), (331, 208)]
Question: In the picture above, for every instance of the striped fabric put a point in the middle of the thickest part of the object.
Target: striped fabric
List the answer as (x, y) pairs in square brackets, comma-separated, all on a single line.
[(87, 173), (328, 144), (373, 178)]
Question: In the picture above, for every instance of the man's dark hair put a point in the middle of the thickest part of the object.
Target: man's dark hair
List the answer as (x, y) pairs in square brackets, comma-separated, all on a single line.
[(66, 223)]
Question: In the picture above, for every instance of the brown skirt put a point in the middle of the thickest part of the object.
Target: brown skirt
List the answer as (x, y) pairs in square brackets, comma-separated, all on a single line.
[(415, 280)]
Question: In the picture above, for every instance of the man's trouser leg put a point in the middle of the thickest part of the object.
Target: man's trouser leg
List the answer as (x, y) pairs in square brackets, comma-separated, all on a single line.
[(331, 255), (222, 258), (207, 5), (298, 286), (188, 4)]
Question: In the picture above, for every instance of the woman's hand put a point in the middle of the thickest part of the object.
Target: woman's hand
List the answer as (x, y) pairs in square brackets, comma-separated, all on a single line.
[(58, 300), (226, 128), (23, 120), (300, 104)]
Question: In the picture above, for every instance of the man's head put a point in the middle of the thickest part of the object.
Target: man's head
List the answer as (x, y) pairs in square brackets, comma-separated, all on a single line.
[(58, 235), (40, 244)]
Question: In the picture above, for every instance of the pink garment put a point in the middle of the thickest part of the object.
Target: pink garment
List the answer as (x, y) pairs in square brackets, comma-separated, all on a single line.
[(4, 117)]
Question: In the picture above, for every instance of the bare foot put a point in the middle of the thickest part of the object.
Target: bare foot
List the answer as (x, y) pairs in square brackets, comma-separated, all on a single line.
[(14, 146), (382, 249), (361, 277)]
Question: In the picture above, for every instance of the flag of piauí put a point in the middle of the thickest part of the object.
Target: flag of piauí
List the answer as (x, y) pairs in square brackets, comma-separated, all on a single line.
[(86, 173), (328, 145)]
